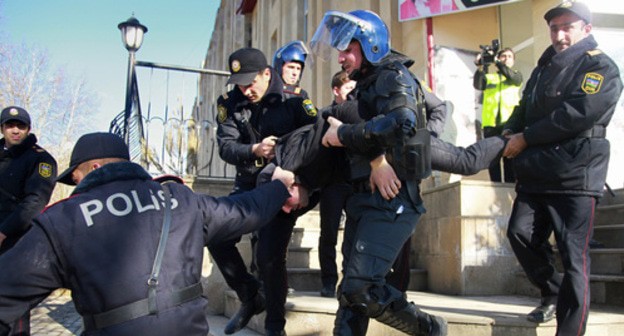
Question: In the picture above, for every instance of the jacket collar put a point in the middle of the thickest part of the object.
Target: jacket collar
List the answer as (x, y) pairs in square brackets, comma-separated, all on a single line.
[(117, 171), (568, 56), (17, 150)]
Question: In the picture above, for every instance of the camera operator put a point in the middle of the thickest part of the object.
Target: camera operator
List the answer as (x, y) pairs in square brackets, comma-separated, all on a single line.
[(500, 95)]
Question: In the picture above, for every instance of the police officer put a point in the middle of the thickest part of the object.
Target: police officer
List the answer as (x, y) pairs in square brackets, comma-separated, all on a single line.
[(251, 118), (376, 229), (27, 174), (289, 62), (560, 155), (501, 93), (129, 249)]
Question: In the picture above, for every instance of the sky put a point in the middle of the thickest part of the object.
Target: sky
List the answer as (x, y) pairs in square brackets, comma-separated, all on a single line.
[(82, 36)]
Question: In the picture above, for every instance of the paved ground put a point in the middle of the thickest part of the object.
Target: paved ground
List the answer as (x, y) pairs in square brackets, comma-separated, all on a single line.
[(55, 316)]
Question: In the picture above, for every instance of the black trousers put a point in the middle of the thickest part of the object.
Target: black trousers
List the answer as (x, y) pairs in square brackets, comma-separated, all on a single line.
[(271, 252), (333, 201), (533, 219), (231, 264)]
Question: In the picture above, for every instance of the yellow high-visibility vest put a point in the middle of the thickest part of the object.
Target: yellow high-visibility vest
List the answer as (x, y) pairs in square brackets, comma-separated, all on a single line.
[(498, 95)]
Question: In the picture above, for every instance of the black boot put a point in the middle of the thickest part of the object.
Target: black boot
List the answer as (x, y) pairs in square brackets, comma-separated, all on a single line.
[(413, 321), (245, 313)]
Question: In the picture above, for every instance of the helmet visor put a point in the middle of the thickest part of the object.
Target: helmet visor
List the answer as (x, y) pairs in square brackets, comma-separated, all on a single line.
[(335, 31)]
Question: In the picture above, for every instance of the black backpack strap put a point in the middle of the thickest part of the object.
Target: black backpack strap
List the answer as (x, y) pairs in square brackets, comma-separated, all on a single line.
[(149, 305)]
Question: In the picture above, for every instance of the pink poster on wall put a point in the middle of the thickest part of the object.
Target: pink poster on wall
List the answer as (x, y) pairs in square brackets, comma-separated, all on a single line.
[(418, 9)]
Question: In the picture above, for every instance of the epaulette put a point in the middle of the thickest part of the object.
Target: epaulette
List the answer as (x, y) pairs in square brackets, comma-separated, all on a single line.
[(38, 149), (594, 52)]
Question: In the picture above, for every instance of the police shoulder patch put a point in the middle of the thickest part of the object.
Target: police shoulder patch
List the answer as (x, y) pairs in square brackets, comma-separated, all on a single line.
[(309, 107), (45, 169), (221, 113), (592, 83)]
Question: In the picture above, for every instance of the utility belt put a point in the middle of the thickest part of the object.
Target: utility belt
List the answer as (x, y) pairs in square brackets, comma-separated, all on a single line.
[(142, 308), (598, 131)]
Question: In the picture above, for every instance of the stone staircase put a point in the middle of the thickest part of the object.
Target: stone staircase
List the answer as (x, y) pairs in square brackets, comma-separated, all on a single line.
[(474, 309), (607, 263)]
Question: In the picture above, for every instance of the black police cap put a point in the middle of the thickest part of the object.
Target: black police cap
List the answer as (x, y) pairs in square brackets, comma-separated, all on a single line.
[(245, 64), (94, 146), (14, 113), (574, 7)]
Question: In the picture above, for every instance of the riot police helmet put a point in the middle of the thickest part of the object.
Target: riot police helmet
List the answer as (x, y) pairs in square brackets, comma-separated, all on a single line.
[(294, 51), (338, 29)]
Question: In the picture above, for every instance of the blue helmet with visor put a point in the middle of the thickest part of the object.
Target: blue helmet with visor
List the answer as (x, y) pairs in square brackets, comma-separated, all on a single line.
[(338, 29), (294, 51)]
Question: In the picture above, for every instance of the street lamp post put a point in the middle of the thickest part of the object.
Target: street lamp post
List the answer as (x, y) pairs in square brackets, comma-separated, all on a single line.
[(132, 32)]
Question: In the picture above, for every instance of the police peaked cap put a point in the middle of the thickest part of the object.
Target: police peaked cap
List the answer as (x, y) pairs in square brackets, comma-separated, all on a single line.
[(93, 146)]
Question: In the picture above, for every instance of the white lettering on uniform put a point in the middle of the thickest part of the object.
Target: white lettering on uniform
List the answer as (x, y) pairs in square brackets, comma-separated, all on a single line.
[(140, 207), (119, 213), (125, 206), (174, 202), (88, 213), (154, 200)]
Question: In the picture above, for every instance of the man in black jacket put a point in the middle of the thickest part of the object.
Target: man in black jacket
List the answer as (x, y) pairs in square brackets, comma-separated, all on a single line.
[(560, 155), (27, 174), (251, 117), (129, 248)]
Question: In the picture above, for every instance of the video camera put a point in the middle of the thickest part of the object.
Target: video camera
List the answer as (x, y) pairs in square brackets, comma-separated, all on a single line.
[(488, 53)]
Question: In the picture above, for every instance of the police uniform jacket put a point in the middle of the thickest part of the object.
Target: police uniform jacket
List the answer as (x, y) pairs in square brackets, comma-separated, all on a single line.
[(243, 124), (563, 114), (27, 175), (291, 91), (101, 243)]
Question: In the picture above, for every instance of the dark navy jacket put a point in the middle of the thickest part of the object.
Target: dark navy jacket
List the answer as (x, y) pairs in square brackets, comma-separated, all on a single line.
[(243, 124), (101, 243), (27, 174), (564, 111), (292, 91)]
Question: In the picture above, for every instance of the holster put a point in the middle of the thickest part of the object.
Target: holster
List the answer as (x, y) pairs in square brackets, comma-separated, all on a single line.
[(412, 159)]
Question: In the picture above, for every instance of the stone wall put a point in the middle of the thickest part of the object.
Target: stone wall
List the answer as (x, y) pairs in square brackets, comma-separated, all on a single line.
[(461, 240)]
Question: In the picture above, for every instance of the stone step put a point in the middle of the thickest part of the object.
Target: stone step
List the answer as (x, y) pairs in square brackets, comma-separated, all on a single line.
[(607, 261), (309, 280), (302, 257), (616, 198), (605, 288), (309, 237), (612, 236), (310, 314), (310, 219), (609, 214)]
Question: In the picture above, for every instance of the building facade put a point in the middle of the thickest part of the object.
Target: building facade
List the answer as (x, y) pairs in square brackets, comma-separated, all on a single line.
[(443, 47)]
